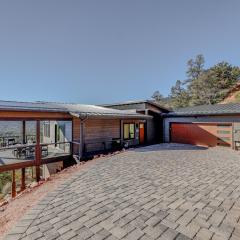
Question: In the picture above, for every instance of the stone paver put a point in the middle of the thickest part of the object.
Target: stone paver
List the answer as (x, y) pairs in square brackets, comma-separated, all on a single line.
[(167, 191)]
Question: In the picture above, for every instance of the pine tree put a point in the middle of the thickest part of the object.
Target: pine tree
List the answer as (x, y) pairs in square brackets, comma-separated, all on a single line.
[(179, 96), (203, 86)]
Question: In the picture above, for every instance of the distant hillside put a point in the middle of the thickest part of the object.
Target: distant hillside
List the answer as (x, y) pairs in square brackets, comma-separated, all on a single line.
[(233, 96), (9, 128)]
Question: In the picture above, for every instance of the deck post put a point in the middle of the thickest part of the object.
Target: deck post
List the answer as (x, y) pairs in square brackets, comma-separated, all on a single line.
[(23, 132), (37, 173), (23, 185), (14, 192), (38, 152)]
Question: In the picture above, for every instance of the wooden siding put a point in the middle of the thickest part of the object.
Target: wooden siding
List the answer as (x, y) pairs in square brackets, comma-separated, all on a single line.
[(26, 115), (98, 131)]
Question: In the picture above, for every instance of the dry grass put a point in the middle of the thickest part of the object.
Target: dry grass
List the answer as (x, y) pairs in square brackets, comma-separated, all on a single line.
[(13, 210)]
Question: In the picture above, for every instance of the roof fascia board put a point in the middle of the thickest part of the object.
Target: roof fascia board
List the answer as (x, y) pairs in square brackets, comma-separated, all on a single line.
[(199, 115)]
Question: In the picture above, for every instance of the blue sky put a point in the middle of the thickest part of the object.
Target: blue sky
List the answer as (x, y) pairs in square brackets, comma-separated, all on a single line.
[(103, 51)]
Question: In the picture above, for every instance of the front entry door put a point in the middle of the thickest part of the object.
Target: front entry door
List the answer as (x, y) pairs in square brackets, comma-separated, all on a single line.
[(141, 133)]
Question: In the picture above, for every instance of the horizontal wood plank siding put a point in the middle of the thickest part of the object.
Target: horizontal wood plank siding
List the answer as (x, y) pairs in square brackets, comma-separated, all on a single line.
[(97, 131)]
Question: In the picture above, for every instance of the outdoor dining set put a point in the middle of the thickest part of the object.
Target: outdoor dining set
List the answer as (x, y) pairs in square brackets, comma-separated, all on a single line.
[(29, 151), (20, 150)]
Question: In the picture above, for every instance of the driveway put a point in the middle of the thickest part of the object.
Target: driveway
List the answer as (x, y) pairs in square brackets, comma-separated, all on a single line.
[(167, 191)]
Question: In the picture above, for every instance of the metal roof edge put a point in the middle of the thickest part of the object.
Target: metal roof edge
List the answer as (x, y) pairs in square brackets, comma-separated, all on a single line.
[(110, 115), (199, 115), (135, 102), (24, 109)]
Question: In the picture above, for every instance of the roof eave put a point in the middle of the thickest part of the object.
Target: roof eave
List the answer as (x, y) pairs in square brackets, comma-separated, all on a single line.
[(110, 116), (200, 114), (32, 110), (136, 102)]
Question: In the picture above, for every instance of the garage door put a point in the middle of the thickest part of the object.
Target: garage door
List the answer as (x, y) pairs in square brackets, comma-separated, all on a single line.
[(203, 134)]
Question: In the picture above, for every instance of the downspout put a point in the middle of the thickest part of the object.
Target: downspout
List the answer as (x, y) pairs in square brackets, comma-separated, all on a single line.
[(81, 140)]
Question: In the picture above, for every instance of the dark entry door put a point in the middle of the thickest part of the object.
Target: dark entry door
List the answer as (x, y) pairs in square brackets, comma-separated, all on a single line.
[(141, 133)]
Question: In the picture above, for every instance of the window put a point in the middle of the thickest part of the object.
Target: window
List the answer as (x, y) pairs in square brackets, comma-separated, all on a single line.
[(46, 129), (129, 131), (223, 131)]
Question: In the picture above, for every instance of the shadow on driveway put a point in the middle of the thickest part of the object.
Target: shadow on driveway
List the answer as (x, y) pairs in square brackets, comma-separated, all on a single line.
[(167, 147)]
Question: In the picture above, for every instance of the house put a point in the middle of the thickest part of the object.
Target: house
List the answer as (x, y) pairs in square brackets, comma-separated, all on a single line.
[(38, 133), (207, 125), (151, 131)]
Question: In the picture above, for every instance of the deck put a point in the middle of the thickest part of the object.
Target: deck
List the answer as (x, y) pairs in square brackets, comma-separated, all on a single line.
[(9, 159)]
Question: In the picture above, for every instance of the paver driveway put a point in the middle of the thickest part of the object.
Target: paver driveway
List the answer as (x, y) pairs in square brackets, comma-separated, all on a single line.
[(166, 191)]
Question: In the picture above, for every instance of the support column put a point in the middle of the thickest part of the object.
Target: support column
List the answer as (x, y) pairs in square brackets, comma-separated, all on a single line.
[(38, 152), (23, 184), (121, 132), (14, 192), (23, 132), (81, 146)]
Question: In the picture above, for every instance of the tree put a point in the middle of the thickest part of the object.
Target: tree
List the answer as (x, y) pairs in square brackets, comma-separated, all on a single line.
[(203, 86), (195, 68), (160, 99), (157, 96), (179, 96), (213, 84), (201, 89)]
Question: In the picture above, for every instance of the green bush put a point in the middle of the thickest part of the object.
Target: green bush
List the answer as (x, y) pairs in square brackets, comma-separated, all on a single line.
[(5, 177)]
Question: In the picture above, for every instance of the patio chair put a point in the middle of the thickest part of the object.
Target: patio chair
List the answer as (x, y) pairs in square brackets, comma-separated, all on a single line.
[(11, 141), (21, 152), (30, 151), (44, 150)]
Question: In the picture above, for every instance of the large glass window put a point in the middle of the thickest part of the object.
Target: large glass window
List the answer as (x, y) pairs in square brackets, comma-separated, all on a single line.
[(129, 131), (30, 137), (55, 138), (46, 129), (56, 131)]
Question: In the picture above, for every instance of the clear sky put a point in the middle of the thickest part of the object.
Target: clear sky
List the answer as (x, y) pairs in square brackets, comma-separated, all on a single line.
[(103, 51)]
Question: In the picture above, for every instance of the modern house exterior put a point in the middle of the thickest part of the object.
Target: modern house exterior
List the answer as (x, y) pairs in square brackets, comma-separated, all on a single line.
[(51, 132), (39, 133), (207, 125), (152, 131)]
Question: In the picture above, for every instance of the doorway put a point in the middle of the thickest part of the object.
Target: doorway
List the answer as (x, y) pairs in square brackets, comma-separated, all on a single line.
[(141, 133)]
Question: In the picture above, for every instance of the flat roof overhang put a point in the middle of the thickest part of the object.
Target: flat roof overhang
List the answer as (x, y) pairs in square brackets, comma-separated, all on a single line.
[(22, 114), (34, 114), (200, 115), (110, 116)]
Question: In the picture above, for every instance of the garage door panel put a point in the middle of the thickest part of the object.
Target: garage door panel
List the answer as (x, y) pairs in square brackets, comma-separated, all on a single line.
[(203, 134)]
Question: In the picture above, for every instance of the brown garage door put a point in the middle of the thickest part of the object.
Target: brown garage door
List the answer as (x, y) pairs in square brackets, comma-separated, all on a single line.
[(204, 134)]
